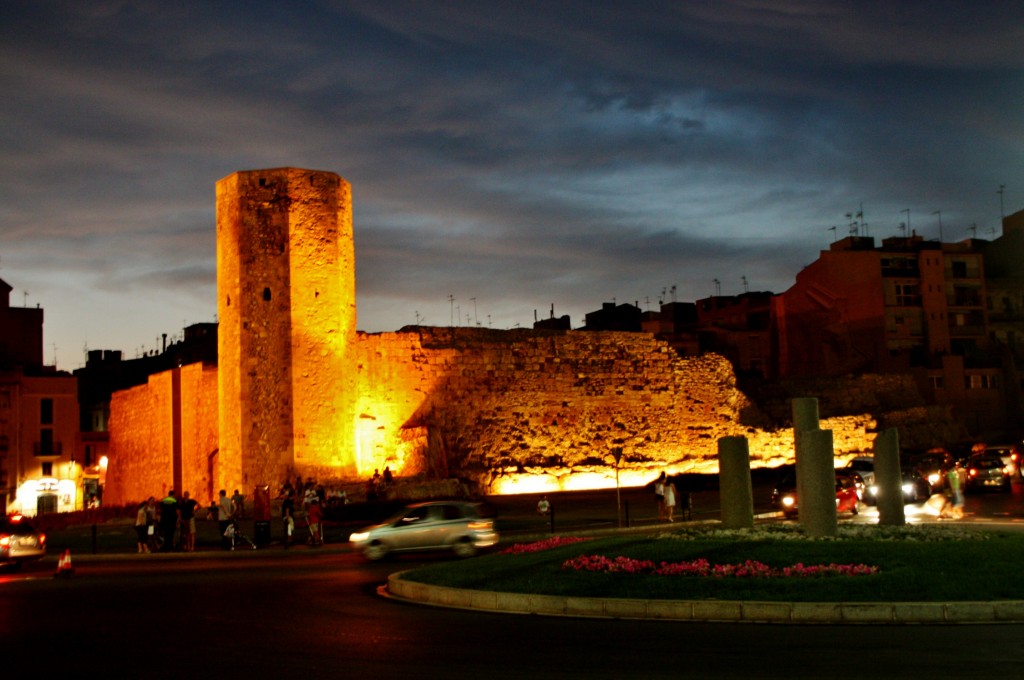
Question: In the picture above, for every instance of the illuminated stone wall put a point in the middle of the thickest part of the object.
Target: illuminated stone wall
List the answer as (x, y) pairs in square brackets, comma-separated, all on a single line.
[(286, 306), (298, 391), (163, 435), (511, 410), (529, 410)]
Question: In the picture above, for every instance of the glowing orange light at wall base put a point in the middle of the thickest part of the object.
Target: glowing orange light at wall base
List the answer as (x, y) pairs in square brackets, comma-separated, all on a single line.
[(566, 480)]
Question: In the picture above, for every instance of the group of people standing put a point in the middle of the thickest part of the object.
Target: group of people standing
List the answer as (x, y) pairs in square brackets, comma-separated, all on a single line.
[(666, 496), (167, 525), (313, 507)]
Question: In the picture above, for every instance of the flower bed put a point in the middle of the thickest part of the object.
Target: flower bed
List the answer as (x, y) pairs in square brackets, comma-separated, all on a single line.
[(546, 544), (703, 568)]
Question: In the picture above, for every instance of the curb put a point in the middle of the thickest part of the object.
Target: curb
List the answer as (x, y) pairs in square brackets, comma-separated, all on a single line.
[(712, 611)]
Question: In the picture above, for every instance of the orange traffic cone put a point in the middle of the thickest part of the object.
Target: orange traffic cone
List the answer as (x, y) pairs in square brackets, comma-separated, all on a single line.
[(64, 567)]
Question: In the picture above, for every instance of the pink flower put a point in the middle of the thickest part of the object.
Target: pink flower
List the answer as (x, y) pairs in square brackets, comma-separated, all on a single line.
[(546, 544), (701, 567)]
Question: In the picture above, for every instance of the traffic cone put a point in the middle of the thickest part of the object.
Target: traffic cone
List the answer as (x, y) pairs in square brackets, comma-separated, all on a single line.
[(64, 567)]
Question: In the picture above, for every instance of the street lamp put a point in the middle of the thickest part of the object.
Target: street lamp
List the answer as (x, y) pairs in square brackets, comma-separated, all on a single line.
[(617, 454)]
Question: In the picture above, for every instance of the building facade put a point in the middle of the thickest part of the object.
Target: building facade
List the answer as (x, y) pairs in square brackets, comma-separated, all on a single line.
[(40, 463), (909, 306)]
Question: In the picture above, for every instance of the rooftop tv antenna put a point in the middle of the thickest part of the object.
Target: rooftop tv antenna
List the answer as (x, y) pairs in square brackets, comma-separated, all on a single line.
[(673, 289), (1002, 211), (833, 230), (25, 298), (744, 279), (939, 213), (905, 226), (451, 301), (718, 287), (974, 230)]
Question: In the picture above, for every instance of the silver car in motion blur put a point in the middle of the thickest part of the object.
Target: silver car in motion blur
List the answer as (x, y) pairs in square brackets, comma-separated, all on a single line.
[(19, 541), (459, 526)]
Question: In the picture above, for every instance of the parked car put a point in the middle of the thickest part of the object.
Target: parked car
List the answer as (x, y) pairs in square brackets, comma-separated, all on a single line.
[(459, 526), (933, 466), (988, 471), (863, 466), (1009, 453), (847, 495), (916, 488), (19, 541)]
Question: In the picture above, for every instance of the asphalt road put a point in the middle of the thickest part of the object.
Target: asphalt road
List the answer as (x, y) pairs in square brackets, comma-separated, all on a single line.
[(308, 613), (317, 614)]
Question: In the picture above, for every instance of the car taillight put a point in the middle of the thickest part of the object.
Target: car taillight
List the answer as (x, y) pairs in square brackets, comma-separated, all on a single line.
[(973, 472), (480, 525), (5, 541), (42, 540)]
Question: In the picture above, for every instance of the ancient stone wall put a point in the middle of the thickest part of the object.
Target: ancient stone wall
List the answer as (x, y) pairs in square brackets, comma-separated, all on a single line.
[(141, 464), (522, 410), (162, 437), (510, 411), (199, 447)]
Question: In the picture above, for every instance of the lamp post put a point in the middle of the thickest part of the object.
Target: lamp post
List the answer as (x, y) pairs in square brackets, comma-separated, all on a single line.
[(617, 454)]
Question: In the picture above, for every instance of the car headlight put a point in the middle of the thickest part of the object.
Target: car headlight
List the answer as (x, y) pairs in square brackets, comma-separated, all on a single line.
[(359, 536), (788, 501), (933, 478), (908, 487)]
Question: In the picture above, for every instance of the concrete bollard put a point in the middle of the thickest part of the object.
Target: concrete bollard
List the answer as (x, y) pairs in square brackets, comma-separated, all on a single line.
[(888, 479), (805, 414), (736, 491), (805, 418), (817, 490)]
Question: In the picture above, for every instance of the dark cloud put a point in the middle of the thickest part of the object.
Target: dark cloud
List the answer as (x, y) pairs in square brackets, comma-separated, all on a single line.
[(516, 154)]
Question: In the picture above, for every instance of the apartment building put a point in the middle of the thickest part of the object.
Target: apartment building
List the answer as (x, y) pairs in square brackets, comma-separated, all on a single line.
[(40, 469), (909, 306)]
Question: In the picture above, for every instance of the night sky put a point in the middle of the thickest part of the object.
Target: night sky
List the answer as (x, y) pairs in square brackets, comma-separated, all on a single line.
[(511, 155)]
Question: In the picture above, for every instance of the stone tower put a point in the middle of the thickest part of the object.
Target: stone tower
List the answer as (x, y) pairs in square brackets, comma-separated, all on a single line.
[(287, 312)]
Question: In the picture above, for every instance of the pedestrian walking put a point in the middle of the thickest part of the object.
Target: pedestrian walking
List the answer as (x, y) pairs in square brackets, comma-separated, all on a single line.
[(239, 505), (955, 478), (225, 512), (142, 528), (544, 506), (169, 518), (670, 501), (659, 495), (314, 516), (151, 535), (288, 517), (188, 522)]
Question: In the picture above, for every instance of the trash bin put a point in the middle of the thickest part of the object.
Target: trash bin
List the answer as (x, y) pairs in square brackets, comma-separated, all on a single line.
[(261, 533)]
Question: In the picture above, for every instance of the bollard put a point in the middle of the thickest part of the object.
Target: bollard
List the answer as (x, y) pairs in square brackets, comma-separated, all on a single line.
[(805, 419), (817, 491), (736, 489), (888, 479)]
